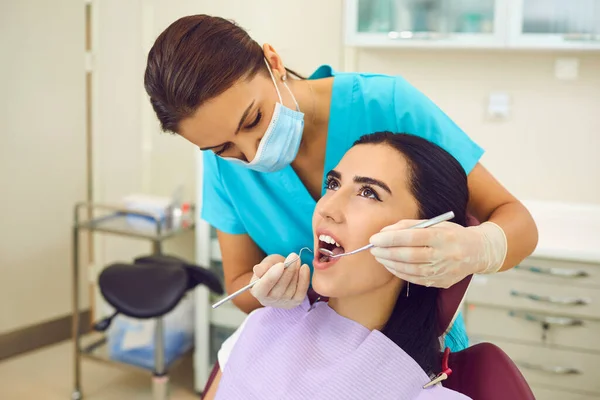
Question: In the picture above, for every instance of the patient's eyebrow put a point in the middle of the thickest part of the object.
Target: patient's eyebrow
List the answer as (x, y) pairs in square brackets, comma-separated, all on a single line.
[(361, 179), (372, 181)]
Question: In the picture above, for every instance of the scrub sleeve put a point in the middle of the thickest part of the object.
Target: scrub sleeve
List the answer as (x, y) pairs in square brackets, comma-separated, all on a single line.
[(217, 207)]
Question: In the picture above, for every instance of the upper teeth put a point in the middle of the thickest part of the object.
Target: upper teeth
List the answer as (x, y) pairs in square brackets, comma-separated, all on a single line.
[(328, 239)]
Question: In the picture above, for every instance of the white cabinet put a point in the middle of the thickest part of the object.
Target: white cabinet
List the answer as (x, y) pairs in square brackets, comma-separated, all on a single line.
[(504, 24), (545, 313), (555, 24)]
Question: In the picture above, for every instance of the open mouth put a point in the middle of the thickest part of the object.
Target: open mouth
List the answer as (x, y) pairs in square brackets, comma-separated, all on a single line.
[(329, 243)]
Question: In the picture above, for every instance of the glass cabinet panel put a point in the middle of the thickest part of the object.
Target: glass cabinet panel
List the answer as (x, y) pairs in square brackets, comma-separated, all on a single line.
[(573, 19), (477, 24), (414, 18)]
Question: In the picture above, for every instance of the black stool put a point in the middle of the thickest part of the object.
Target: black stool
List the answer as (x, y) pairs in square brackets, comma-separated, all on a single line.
[(150, 288)]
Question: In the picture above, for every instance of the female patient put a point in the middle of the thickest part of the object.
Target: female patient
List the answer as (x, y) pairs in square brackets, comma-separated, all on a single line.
[(374, 329)]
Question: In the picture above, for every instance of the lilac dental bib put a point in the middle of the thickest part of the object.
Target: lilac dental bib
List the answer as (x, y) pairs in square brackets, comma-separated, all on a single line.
[(318, 354)]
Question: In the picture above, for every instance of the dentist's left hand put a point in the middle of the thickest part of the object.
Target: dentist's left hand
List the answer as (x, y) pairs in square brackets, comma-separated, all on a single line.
[(280, 287)]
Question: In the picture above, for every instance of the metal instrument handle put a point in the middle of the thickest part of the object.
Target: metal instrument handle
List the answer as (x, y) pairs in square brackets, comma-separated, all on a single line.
[(556, 370), (558, 272), (547, 320), (566, 301)]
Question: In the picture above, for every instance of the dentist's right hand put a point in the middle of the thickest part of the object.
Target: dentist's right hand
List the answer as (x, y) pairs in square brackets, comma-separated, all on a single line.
[(280, 287)]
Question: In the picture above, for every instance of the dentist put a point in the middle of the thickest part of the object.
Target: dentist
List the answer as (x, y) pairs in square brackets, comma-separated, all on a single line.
[(270, 136)]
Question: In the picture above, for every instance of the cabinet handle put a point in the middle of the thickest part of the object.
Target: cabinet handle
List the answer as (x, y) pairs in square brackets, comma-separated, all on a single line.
[(559, 272), (543, 319), (566, 301), (581, 37), (549, 369), (409, 35)]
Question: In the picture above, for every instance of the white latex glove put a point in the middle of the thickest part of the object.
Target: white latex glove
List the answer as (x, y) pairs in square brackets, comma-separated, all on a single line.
[(280, 287), (441, 255)]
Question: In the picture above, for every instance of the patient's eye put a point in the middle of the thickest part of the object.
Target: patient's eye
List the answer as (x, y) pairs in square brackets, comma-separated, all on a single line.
[(332, 184), (369, 193)]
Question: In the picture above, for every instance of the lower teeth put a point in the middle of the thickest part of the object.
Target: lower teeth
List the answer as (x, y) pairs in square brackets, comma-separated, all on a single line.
[(324, 259)]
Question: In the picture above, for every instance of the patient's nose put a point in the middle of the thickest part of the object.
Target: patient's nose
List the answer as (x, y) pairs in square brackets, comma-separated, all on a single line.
[(332, 208)]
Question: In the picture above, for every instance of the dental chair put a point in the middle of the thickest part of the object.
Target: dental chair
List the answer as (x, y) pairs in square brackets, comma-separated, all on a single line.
[(149, 289), (484, 371)]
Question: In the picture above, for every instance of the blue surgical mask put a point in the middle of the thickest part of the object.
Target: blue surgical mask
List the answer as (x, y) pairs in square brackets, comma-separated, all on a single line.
[(280, 143)]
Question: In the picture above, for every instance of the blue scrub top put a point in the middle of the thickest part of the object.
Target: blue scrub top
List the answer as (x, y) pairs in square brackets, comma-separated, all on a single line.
[(275, 209)]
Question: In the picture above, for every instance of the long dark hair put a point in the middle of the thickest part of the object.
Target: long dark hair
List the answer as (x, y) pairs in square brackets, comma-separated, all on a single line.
[(439, 184), (195, 59)]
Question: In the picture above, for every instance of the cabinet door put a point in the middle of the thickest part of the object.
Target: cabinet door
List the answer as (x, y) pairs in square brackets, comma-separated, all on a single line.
[(426, 23), (555, 24)]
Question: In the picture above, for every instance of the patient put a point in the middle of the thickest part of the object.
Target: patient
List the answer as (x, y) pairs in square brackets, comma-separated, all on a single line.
[(376, 337)]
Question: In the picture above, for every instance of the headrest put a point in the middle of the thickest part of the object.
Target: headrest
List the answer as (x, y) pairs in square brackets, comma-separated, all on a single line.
[(450, 300)]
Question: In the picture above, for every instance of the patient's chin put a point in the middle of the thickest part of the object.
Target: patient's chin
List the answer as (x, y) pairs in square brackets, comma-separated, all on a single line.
[(325, 285)]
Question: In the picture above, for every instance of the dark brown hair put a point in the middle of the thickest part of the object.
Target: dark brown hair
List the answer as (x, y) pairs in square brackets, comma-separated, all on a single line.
[(195, 59), (439, 184)]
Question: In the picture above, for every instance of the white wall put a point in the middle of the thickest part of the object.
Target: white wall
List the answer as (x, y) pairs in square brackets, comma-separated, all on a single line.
[(117, 117), (131, 155), (549, 147), (42, 156)]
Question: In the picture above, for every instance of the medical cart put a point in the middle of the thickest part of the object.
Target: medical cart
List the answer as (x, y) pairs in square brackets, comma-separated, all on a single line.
[(114, 221)]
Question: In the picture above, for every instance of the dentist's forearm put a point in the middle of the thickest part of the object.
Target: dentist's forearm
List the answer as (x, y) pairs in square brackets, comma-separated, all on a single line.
[(245, 301)]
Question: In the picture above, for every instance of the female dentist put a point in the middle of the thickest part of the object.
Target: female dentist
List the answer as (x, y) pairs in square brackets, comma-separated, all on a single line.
[(268, 141)]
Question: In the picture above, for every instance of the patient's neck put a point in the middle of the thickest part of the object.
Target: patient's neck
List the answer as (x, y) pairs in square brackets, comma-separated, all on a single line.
[(371, 309)]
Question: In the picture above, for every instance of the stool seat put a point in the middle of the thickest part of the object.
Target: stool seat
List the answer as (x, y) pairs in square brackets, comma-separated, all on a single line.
[(143, 290), (196, 275)]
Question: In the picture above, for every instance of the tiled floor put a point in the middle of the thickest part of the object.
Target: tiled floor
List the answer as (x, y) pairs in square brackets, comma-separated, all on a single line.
[(46, 374)]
